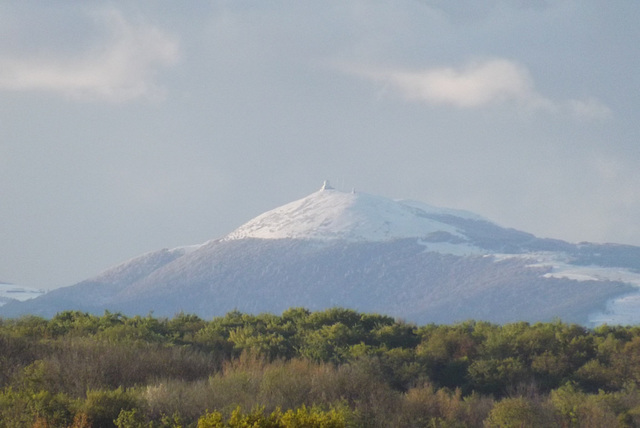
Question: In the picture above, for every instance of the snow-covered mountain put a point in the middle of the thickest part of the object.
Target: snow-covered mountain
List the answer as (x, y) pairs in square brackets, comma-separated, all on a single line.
[(330, 214), (370, 253)]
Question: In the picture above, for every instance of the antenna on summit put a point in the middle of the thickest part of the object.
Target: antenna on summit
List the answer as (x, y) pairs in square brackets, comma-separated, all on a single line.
[(326, 185)]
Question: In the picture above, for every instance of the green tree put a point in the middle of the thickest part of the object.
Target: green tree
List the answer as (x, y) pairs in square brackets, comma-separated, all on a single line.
[(519, 412)]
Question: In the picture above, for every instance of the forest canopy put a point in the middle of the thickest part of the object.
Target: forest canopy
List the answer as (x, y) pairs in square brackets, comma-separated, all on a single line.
[(334, 368)]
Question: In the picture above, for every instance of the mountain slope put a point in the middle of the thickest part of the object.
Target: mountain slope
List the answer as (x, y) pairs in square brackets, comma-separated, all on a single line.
[(330, 214), (332, 248)]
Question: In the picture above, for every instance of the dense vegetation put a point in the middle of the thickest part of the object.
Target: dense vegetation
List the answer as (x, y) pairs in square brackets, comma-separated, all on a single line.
[(324, 369)]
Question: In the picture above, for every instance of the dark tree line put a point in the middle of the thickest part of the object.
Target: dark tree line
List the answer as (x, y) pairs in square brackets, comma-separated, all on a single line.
[(328, 369)]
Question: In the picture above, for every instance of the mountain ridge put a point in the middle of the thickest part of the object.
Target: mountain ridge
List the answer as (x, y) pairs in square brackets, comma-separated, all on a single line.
[(366, 252)]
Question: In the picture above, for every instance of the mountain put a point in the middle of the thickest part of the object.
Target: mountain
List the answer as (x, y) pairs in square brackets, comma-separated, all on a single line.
[(402, 258), (12, 293)]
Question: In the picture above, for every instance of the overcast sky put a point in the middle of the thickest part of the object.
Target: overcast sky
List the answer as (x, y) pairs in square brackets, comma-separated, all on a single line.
[(126, 127)]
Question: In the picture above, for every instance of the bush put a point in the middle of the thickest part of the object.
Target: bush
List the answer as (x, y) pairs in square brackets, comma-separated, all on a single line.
[(520, 412), (102, 407), (299, 418)]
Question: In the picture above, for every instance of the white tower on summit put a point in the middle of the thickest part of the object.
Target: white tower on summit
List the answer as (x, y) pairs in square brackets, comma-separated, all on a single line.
[(326, 185)]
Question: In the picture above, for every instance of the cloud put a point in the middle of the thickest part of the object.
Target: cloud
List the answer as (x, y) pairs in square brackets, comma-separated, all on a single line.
[(473, 86), (119, 69), (589, 109), (479, 84)]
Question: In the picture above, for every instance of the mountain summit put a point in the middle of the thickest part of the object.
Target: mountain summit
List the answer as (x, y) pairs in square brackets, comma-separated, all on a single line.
[(333, 214), (370, 253)]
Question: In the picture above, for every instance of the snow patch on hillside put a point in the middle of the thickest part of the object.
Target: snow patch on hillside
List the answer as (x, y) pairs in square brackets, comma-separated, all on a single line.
[(141, 266), (593, 273), (623, 310), (430, 209), (453, 249), (559, 266), (332, 214)]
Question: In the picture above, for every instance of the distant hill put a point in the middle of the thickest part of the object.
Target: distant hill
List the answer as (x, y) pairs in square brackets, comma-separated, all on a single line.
[(366, 252), (12, 293)]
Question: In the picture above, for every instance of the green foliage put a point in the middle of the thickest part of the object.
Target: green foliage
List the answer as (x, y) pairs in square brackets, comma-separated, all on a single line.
[(81, 370), (519, 412), (103, 407), (132, 418), (299, 418), (316, 418), (20, 408), (578, 409), (211, 420), (493, 376)]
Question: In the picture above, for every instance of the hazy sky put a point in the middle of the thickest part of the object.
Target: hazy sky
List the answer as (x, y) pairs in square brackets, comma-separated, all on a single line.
[(126, 127)]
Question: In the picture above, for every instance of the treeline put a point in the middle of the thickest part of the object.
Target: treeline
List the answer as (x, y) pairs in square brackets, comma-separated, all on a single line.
[(334, 368)]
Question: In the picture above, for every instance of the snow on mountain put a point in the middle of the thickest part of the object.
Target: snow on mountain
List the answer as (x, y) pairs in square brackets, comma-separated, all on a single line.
[(624, 310), (332, 214), (141, 266), (558, 265), (370, 253)]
